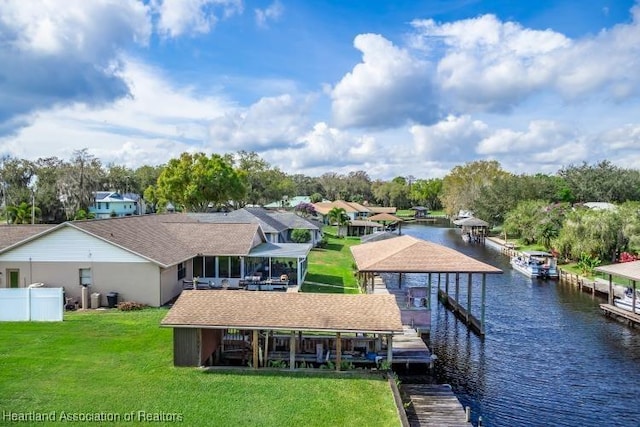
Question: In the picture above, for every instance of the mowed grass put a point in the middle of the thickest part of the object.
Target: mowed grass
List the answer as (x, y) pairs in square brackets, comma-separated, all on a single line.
[(332, 265), (117, 362)]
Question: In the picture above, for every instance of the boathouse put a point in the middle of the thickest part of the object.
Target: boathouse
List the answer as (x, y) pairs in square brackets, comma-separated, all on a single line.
[(407, 254), (227, 327), (473, 229), (631, 272)]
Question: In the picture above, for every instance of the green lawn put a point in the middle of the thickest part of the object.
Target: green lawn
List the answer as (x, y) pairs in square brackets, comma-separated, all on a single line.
[(332, 265), (115, 362)]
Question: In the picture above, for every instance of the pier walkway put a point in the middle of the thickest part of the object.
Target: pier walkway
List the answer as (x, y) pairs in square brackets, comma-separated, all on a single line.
[(434, 405), (632, 319)]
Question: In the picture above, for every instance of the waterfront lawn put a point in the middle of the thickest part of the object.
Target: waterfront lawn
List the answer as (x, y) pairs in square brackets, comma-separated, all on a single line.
[(332, 265), (116, 362)]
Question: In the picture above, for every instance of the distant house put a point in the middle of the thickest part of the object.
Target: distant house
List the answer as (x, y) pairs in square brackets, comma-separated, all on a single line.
[(355, 211), (277, 226), (144, 258), (288, 202), (109, 204)]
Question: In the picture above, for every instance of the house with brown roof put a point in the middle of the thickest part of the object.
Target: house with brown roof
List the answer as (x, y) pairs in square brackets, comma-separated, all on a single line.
[(355, 211), (146, 258)]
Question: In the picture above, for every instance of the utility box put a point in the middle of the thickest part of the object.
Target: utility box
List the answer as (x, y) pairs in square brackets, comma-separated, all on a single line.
[(95, 300)]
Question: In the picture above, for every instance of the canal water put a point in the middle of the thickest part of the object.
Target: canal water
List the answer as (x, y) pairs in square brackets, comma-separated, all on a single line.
[(549, 358)]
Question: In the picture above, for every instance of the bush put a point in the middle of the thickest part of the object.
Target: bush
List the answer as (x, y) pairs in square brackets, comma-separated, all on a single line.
[(130, 306), (300, 235)]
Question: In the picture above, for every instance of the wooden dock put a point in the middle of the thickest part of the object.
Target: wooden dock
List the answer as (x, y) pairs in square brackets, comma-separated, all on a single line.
[(434, 405), (461, 313), (408, 348), (632, 319)]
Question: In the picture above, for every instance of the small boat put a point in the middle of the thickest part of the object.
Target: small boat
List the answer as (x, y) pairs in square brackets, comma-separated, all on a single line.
[(626, 302), (542, 265)]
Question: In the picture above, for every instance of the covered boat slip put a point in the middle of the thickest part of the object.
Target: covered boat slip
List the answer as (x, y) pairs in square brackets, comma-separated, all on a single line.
[(408, 254), (296, 329), (626, 270)]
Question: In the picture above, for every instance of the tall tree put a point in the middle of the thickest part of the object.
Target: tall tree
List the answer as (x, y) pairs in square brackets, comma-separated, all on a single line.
[(78, 182), (426, 192), (195, 182), (49, 171), (462, 187), (358, 187)]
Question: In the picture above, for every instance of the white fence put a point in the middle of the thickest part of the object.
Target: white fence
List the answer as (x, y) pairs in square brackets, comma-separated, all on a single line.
[(24, 304)]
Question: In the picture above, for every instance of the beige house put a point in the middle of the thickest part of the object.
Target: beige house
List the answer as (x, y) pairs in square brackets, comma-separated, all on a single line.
[(146, 258)]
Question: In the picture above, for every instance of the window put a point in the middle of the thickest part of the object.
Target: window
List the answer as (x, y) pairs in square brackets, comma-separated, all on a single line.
[(198, 267), (99, 205), (85, 276), (223, 266), (106, 205), (182, 270), (235, 266)]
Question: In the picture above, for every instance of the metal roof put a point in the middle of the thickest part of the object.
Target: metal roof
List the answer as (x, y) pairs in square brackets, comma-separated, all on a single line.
[(281, 250)]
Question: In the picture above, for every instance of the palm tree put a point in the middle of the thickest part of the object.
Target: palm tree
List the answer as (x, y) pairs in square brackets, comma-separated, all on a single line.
[(21, 214), (338, 216)]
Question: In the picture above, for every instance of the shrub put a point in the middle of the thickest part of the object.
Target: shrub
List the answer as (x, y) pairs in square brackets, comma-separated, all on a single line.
[(300, 235), (130, 306)]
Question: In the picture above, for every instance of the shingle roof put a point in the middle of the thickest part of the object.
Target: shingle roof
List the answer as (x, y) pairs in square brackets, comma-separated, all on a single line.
[(12, 234), (172, 238), (289, 311), (244, 215), (324, 207), (407, 254), (293, 221), (384, 217), (383, 209), (471, 222)]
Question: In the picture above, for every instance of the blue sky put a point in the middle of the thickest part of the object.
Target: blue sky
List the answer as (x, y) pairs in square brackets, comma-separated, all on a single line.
[(393, 88)]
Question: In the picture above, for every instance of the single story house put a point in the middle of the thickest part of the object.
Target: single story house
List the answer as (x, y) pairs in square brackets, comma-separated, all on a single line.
[(277, 226), (355, 211), (143, 258)]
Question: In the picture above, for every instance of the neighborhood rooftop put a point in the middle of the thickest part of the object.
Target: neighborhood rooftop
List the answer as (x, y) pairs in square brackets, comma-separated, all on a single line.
[(288, 311), (407, 254)]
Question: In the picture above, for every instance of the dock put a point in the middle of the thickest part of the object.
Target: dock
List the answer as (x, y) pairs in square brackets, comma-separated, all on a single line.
[(408, 348), (632, 319), (460, 312), (434, 405)]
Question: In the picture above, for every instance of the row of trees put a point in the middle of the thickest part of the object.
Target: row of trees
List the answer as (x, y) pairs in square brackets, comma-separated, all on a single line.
[(196, 182), (548, 209)]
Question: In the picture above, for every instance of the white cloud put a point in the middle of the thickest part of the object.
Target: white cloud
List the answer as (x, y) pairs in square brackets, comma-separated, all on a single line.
[(178, 17), (388, 88), (55, 55), (449, 140), (486, 64), (626, 137), (157, 122), (272, 122), (272, 13), (541, 136), (326, 147)]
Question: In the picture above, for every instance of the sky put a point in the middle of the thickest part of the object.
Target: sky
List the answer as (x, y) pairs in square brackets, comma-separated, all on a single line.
[(394, 88)]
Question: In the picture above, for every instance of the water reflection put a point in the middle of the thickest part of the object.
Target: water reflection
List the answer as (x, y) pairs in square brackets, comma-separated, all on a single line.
[(549, 357)]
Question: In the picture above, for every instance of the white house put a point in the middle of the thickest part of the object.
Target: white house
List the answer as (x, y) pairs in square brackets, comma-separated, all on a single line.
[(144, 258)]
